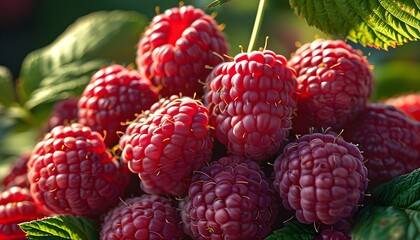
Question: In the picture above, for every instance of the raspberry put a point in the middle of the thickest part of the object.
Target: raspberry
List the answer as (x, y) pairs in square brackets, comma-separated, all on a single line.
[(71, 172), (331, 234), (18, 174), (64, 112), (177, 48), (144, 217), (252, 101), (338, 231), (165, 145), (322, 177), (334, 83), (113, 97), (389, 139), (409, 103), (229, 199), (16, 206)]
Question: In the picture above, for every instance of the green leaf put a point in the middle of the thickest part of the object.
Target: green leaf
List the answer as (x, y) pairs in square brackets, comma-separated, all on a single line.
[(375, 23), (63, 68), (396, 77), (294, 230), (7, 92), (61, 227), (394, 210), (16, 132), (69, 80), (216, 3)]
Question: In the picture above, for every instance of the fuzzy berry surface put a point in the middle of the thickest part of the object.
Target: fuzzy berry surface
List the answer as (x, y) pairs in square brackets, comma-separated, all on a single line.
[(335, 82), (230, 199), (251, 100), (145, 217), (16, 206), (409, 103), (17, 177), (322, 177), (70, 171), (389, 139), (166, 144), (178, 47), (113, 97)]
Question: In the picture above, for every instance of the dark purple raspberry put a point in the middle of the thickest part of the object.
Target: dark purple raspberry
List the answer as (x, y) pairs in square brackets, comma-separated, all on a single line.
[(338, 231), (335, 82), (251, 101), (144, 217), (331, 234), (71, 172), (17, 176), (114, 96), (16, 206), (322, 177), (178, 47), (389, 140), (64, 112), (229, 199), (166, 144)]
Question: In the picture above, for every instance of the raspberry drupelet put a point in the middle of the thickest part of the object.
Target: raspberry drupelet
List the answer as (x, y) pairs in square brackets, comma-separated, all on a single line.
[(335, 82), (167, 143), (252, 100), (178, 48), (70, 171), (231, 198), (322, 177), (113, 97)]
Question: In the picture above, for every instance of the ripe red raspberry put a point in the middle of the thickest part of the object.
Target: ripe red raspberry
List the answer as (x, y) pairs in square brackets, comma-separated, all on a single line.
[(322, 177), (16, 206), (334, 83), (229, 199), (389, 139), (252, 100), (17, 176), (71, 172), (178, 47), (409, 103), (64, 112), (113, 97), (144, 217), (165, 145)]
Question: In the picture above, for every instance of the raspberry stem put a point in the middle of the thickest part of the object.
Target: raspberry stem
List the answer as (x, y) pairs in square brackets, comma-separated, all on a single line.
[(257, 25)]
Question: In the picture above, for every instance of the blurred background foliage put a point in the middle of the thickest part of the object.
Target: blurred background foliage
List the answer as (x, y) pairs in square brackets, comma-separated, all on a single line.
[(27, 25)]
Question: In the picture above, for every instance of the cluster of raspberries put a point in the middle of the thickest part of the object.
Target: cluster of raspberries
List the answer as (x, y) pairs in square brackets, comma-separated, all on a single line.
[(192, 144)]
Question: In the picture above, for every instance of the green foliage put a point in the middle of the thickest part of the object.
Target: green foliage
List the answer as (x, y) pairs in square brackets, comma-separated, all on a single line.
[(394, 210), (396, 77), (376, 23), (7, 95), (294, 230), (63, 68), (61, 227), (217, 3)]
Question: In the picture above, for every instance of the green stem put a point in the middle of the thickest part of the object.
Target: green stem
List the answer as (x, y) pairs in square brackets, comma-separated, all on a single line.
[(257, 25)]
